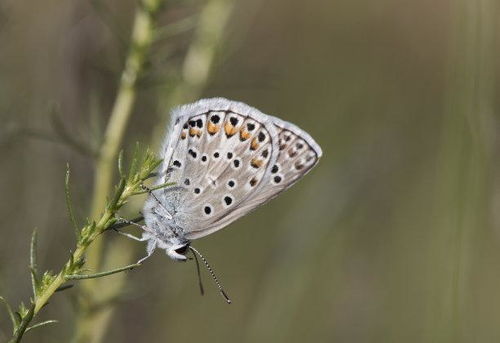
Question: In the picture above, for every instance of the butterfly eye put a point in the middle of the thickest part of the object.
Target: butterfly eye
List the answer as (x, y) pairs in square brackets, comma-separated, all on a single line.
[(182, 250)]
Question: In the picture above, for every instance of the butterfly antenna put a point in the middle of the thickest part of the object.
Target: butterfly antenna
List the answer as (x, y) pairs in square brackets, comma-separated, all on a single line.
[(210, 270), (200, 283)]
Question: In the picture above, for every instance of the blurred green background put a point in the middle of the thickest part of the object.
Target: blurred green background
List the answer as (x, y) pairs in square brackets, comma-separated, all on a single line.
[(394, 237)]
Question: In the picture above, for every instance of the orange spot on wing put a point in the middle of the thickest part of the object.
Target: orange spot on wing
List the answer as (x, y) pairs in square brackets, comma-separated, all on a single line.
[(183, 135), (244, 135), (254, 145), (256, 163), (229, 129), (194, 132), (212, 128)]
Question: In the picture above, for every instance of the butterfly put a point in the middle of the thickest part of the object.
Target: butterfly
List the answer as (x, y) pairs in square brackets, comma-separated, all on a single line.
[(225, 158)]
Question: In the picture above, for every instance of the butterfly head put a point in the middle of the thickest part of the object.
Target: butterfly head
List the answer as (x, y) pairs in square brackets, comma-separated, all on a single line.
[(178, 252)]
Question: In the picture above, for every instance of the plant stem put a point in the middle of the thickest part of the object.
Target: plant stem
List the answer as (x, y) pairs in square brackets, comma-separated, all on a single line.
[(50, 284), (142, 36), (199, 61), (101, 226), (91, 326), (141, 40)]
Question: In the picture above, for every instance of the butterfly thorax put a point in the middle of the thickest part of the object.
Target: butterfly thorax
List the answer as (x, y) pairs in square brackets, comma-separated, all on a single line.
[(175, 246)]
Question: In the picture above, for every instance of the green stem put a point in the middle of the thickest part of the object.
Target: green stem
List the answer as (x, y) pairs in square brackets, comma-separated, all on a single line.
[(91, 326), (61, 278), (44, 292), (88, 324), (18, 334)]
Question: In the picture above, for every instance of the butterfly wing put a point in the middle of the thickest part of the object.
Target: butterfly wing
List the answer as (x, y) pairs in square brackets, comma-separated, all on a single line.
[(297, 154), (226, 159)]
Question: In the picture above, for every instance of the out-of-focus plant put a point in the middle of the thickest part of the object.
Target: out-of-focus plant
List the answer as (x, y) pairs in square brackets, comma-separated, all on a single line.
[(46, 283), (89, 322), (96, 307)]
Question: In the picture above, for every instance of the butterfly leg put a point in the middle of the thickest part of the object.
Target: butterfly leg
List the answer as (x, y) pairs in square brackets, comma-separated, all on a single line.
[(141, 239), (129, 222), (144, 258), (150, 249)]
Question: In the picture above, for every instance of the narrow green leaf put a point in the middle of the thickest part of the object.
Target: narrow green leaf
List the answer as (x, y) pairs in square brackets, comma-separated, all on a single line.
[(118, 193), (71, 263), (149, 165), (12, 317), (34, 262), (25, 316), (135, 162), (47, 322), (17, 318), (152, 165), (120, 164), (35, 282), (98, 275), (69, 205), (64, 287)]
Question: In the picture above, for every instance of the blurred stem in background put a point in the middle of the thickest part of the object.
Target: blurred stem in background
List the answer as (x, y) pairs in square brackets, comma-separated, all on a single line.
[(92, 323), (464, 164), (96, 306), (199, 59)]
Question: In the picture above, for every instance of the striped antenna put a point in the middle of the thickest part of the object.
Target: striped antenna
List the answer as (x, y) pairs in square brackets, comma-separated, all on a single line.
[(210, 270)]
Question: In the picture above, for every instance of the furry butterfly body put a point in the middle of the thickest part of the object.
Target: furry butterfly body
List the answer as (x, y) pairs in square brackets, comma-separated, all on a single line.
[(225, 158)]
